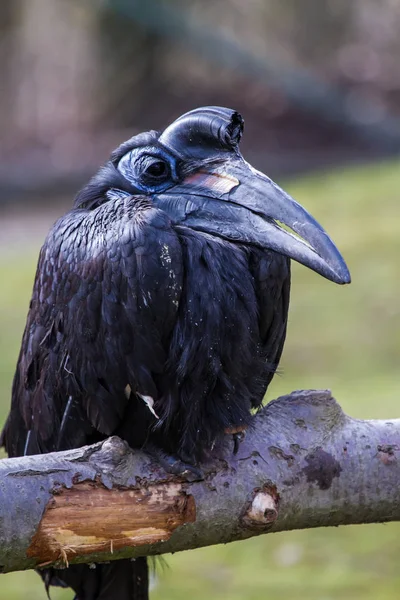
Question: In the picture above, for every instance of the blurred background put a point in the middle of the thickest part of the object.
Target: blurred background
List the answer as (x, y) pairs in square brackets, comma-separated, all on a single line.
[(318, 82)]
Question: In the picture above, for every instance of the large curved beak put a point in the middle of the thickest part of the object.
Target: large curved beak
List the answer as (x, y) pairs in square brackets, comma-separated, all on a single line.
[(235, 201)]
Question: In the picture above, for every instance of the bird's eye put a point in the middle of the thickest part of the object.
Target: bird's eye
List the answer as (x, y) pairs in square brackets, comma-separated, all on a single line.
[(156, 170), (147, 171)]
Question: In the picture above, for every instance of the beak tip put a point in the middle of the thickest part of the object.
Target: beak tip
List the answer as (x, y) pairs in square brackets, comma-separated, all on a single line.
[(345, 280), (342, 276)]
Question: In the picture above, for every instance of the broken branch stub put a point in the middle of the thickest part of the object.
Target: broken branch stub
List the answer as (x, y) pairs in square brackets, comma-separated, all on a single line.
[(263, 509)]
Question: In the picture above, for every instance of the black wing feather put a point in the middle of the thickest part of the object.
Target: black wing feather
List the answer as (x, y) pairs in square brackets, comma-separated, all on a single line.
[(104, 302), (271, 272)]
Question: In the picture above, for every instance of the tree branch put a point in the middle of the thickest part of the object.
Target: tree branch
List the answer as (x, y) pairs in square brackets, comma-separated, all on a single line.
[(303, 464)]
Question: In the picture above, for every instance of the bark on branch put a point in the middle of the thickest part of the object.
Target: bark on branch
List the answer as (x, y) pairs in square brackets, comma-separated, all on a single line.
[(303, 464)]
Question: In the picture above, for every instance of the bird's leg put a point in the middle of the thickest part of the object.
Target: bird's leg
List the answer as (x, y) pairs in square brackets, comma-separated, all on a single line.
[(238, 434), (174, 465)]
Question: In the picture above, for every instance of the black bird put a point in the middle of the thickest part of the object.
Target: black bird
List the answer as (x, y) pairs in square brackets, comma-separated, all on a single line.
[(159, 308)]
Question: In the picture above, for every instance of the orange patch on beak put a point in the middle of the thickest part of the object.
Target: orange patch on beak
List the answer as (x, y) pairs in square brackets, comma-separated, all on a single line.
[(222, 183)]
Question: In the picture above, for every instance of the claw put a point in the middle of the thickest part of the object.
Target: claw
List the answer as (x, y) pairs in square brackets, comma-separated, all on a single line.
[(237, 440), (174, 465), (238, 434)]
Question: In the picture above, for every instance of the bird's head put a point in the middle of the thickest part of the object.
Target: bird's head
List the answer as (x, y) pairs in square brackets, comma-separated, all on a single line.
[(194, 171)]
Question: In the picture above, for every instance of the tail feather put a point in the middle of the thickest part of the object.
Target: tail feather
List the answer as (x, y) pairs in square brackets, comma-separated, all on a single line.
[(118, 580)]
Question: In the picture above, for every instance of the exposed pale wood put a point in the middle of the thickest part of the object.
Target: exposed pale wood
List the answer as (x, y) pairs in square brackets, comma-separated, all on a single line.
[(89, 518)]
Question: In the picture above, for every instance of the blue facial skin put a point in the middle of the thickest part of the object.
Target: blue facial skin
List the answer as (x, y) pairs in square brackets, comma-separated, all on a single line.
[(139, 166)]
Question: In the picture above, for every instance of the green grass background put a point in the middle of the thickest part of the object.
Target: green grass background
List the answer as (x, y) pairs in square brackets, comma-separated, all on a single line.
[(343, 338)]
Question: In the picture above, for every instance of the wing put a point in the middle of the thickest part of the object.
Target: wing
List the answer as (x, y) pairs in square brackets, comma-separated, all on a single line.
[(271, 273), (105, 299)]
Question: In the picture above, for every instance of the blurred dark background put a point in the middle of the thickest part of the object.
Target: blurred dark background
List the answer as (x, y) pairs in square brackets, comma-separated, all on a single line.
[(318, 83)]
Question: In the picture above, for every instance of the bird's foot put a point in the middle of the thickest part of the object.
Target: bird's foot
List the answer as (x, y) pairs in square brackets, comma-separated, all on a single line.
[(238, 434), (174, 465)]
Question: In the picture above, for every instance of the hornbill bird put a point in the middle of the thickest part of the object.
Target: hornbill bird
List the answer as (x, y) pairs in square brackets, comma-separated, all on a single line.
[(159, 309)]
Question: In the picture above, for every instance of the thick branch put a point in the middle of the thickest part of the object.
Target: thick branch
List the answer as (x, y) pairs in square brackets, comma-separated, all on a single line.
[(303, 464)]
